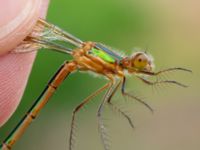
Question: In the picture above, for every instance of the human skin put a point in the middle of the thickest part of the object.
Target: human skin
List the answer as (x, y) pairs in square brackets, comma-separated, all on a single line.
[(17, 18)]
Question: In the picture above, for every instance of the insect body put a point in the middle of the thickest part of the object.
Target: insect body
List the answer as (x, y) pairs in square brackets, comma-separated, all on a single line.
[(86, 56)]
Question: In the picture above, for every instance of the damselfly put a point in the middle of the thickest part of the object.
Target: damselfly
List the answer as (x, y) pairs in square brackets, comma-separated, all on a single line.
[(86, 56)]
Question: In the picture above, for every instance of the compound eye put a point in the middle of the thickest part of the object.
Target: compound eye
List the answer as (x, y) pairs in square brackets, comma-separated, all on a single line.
[(140, 62)]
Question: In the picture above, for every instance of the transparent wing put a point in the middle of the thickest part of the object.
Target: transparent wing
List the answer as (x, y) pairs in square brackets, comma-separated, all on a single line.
[(26, 47), (47, 35), (35, 44), (52, 32)]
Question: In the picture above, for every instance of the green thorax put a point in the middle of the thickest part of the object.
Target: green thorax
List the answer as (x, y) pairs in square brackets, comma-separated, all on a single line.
[(99, 53)]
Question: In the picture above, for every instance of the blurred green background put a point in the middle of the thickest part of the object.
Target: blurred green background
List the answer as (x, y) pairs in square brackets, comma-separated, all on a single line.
[(168, 29)]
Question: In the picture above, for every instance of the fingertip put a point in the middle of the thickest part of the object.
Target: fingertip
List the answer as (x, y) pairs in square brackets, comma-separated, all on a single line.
[(15, 68), (14, 74), (18, 22)]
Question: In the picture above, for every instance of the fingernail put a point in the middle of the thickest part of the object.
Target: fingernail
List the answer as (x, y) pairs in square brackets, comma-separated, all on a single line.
[(20, 16)]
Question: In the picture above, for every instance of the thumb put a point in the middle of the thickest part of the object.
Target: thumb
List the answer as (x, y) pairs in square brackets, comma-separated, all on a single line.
[(20, 18)]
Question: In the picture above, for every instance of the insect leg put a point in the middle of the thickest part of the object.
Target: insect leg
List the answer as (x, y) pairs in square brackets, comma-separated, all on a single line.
[(124, 93), (114, 107), (161, 82), (165, 70), (78, 108), (101, 125)]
